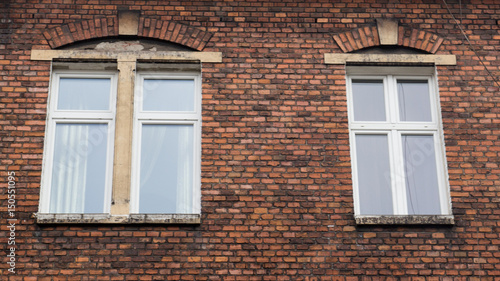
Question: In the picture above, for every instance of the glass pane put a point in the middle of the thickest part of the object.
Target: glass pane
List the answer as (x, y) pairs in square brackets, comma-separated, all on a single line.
[(422, 189), (84, 94), (414, 101), (168, 95), (79, 168), (374, 175), (368, 99), (166, 172)]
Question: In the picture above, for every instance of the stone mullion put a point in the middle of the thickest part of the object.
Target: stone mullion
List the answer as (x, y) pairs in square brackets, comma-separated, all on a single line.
[(122, 163)]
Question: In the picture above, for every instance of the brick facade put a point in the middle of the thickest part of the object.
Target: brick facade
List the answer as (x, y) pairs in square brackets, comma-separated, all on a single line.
[(277, 197)]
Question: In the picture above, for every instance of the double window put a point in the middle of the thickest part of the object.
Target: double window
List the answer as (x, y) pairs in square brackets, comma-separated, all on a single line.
[(397, 148), (81, 140)]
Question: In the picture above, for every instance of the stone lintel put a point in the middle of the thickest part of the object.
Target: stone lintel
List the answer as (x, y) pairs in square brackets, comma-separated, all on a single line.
[(390, 58), (206, 57)]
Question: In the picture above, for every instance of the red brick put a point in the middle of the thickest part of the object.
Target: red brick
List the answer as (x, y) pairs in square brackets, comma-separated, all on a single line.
[(277, 197)]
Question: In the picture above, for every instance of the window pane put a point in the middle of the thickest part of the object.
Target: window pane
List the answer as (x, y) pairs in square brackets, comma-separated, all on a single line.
[(374, 180), (166, 169), (84, 94), (422, 188), (368, 100), (414, 101), (79, 168), (168, 95)]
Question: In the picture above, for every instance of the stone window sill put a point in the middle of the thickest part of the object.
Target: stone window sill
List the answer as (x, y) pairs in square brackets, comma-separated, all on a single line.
[(42, 218), (404, 220)]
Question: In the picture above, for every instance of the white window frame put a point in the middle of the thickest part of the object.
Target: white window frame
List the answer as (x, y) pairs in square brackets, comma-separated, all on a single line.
[(394, 129), (166, 118), (55, 117)]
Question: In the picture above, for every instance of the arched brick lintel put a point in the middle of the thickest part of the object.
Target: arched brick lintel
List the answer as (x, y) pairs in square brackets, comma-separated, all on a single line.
[(108, 27), (368, 36)]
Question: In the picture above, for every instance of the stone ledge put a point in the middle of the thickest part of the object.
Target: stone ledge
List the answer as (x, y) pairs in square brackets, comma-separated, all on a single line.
[(42, 218), (405, 219)]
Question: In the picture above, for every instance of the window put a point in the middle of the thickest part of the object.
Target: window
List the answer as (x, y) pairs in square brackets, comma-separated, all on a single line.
[(81, 142), (167, 128), (78, 160), (397, 148)]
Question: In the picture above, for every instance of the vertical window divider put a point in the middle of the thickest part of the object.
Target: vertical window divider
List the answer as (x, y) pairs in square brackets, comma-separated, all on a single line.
[(399, 174), (353, 153), (391, 105), (397, 170)]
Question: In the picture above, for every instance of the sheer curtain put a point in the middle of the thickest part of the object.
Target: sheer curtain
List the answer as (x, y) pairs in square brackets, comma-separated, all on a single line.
[(421, 180), (167, 147), (153, 173), (166, 169), (151, 152), (185, 172), (79, 168), (374, 175), (69, 173)]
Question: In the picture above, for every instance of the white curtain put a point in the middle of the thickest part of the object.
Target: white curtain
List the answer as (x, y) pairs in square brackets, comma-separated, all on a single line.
[(150, 156), (152, 199), (414, 101), (421, 182), (374, 175), (69, 172), (166, 169), (185, 172)]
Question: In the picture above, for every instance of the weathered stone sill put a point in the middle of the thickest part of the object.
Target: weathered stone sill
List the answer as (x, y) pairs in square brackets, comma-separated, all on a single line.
[(118, 219), (405, 219)]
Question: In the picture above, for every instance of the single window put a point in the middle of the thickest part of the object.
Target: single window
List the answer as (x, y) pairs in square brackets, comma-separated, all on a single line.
[(78, 159), (397, 150), (166, 165)]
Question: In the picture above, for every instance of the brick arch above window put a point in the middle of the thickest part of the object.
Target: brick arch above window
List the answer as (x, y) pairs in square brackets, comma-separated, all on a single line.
[(141, 27), (388, 32)]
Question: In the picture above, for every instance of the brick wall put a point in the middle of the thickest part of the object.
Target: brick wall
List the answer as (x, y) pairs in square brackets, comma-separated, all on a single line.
[(276, 173)]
